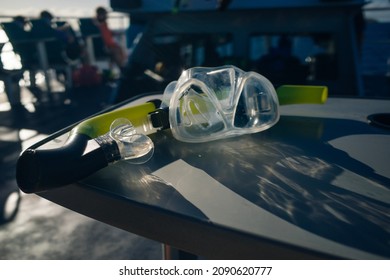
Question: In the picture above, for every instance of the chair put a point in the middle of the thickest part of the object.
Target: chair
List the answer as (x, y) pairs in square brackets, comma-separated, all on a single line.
[(54, 42), (92, 36), (23, 44), (55, 47), (11, 79)]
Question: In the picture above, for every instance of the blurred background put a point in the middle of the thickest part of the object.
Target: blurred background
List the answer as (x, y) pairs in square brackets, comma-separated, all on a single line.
[(31, 227), (43, 90)]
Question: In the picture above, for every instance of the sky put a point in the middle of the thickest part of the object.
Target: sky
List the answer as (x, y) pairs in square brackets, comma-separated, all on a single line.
[(77, 8), (383, 16), (85, 8)]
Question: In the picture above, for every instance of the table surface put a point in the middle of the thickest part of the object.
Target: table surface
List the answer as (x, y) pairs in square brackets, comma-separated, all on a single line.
[(316, 185)]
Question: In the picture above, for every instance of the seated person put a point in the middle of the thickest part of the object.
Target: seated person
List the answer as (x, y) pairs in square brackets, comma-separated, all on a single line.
[(117, 54), (22, 23), (65, 34)]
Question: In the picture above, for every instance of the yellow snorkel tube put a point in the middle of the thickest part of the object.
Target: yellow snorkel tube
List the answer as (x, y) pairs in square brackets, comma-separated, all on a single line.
[(100, 124), (295, 94)]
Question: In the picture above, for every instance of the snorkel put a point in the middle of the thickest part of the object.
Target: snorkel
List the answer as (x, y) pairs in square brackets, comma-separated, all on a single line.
[(205, 104), (91, 145)]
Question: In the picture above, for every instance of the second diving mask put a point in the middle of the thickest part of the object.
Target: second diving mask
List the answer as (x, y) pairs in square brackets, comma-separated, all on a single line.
[(207, 104)]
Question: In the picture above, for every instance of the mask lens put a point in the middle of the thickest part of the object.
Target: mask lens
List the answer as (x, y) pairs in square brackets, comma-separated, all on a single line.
[(256, 106), (196, 115)]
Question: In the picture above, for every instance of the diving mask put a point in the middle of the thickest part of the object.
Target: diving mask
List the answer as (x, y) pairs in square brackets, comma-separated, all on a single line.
[(207, 104)]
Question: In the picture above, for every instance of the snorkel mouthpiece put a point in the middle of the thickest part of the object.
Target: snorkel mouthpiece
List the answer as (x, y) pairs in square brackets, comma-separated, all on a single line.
[(130, 146), (207, 104)]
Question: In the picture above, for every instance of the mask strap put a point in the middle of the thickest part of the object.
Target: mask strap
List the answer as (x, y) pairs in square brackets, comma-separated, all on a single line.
[(160, 118)]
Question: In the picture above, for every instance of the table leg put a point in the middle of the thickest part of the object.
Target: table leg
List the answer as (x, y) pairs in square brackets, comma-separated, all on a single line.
[(172, 253)]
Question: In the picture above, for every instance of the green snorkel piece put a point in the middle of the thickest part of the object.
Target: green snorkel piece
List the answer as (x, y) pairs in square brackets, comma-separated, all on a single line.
[(99, 125), (299, 94)]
